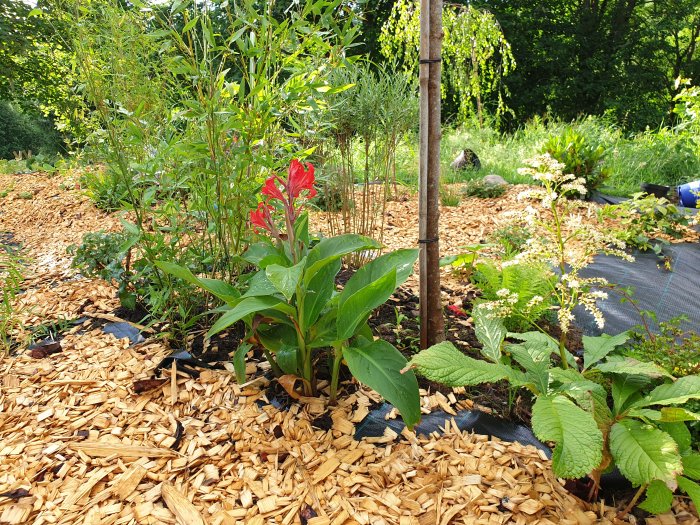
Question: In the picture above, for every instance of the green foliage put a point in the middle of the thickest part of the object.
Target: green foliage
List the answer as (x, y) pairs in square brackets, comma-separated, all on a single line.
[(512, 239), (449, 196), (22, 132), (522, 290), (465, 262), (291, 307), (641, 431), (10, 284), (483, 190), (475, 57), (101, 254), (643, 218), (572, 409), (579, 156)]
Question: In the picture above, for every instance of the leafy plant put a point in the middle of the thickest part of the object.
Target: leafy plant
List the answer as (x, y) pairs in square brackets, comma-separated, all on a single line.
[(580, 158), (519, 293), (642, 430), (448, 196), (643, 218), (291, 307), (463, 263), (101, 254), (10, 282), (483, 190), (512, 238)]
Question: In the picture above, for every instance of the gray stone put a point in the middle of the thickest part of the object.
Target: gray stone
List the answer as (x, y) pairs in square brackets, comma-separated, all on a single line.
[(466, 159), (495, 180)]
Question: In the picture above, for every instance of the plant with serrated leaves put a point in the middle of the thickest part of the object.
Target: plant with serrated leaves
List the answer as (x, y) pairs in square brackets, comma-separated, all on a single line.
[(563, 237), (10, 283), (292, 309), (642, 432)]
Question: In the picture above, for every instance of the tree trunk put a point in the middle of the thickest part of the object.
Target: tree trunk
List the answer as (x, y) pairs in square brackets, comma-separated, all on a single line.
[(431, 320)]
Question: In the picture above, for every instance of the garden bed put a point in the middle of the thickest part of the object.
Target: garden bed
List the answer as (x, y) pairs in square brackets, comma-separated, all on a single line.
[(83, 441)]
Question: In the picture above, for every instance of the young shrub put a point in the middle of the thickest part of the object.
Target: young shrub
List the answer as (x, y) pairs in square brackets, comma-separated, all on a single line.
[(512, 238), (10, 282), (291, 307), (449, 196), (607, 411), (579, 157), (643, 218)]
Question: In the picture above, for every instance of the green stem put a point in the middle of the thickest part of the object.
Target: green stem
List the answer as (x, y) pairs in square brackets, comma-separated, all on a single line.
[(563, 351), (337, 359)]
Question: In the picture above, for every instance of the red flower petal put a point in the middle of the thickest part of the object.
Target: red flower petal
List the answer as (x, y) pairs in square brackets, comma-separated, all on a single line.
[(258, 218), (456, 310), (300, 178), (271, 190)]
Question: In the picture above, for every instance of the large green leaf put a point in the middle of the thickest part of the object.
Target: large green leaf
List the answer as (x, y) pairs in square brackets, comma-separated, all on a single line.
[(628, 366), (318, 292), (220, 289), (691, 465), (543, 341), (354, 308), (665, 415), (579, 441), (247, 306), (286, 279), (587, 394), (445, 364), (644, 453), (680, 434), (626, 390), (400, 261), (287, 358), (596, 348), (378, 365), (262, 251), (535, 360), (490, 332), (676, 393), (691, 488), (658, 498), (333, 248), (260, 285)]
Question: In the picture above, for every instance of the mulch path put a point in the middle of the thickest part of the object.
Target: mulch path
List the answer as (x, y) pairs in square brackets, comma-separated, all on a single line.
[(88, 435)]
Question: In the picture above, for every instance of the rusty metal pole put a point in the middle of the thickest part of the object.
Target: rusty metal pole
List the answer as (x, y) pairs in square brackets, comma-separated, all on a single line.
[(432, 328)]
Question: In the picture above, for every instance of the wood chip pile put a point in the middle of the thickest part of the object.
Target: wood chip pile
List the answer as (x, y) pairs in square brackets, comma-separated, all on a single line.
[(81, 446)]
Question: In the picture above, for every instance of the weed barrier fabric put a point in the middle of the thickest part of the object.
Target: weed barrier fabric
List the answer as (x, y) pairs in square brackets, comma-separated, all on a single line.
[(376, 423), (667, 293)]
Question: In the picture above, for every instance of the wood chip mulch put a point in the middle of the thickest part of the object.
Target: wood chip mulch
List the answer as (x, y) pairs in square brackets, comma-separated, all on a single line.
[(87, 436)]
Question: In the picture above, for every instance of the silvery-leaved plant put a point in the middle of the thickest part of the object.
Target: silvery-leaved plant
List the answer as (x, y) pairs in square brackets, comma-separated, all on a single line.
[(562, 236)]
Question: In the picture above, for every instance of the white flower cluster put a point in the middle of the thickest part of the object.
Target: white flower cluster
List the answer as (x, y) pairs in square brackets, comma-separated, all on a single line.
[(555, 183)]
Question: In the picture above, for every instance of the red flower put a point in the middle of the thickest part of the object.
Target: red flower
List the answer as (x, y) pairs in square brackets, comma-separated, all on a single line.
[(271, 190), (300, 179), (260, 218), (456, 310)]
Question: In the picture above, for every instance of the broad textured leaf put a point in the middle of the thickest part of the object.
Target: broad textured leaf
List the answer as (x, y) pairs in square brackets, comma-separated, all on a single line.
[(627, 366), (217, 288), (658, 498), (324, 332), (445, 364), (676, 393), (286, 279), (626, 390), (644, 453), (596, 348), (333, 248), (490, 332), (246, 307), (691, 465), (589, 395), (239, 361), (691, 488), (353, 309), (535, 361), (665, 415), (579, 441), (319, 290), (378, 365), (540, 340), (680, 434)]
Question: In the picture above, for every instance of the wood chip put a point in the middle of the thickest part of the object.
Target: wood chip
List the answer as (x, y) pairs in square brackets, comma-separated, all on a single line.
[(185, 512)]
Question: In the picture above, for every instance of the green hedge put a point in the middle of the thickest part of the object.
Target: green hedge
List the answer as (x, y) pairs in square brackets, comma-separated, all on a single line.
[(20, 131)]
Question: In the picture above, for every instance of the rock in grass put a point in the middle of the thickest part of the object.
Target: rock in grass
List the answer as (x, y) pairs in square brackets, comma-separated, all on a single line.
[(466, 159), (494, 180)]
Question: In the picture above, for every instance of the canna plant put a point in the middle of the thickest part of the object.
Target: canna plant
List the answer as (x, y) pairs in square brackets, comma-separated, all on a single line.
[(291, 306), (612, 411)]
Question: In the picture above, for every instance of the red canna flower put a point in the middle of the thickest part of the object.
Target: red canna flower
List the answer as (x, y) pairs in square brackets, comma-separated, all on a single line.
[(456, 310), (300, 179), (271, 190), (260, 218)]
